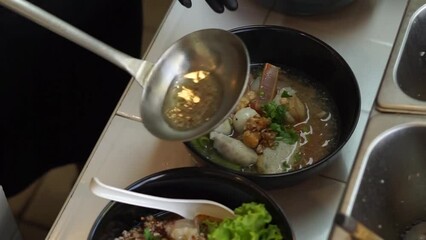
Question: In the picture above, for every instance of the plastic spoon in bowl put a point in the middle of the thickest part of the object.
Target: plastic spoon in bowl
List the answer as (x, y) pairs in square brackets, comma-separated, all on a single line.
[(187, 208), (187, 92)]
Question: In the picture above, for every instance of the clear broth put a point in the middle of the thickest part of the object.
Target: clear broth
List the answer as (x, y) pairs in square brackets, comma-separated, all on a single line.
[(192, 100)]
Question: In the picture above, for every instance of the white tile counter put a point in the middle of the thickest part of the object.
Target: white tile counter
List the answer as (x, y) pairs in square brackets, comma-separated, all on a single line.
[(363, 33)]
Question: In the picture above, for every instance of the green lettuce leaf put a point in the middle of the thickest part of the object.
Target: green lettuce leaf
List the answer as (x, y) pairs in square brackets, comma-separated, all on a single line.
[(251, 222)]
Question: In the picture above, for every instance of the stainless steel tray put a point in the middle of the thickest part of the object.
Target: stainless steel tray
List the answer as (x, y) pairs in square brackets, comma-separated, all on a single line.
[(403, 87)]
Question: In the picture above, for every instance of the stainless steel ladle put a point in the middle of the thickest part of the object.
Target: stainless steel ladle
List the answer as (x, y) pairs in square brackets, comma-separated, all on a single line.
[(204, 70)]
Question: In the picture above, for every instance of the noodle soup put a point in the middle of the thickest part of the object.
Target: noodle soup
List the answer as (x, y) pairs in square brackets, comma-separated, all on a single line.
[(285, 121)]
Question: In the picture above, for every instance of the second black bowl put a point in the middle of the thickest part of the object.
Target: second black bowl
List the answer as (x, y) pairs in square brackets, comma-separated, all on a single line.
[(191, 183)]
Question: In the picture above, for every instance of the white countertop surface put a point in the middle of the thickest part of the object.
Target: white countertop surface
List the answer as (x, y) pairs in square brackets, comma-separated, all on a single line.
[(363, 33)]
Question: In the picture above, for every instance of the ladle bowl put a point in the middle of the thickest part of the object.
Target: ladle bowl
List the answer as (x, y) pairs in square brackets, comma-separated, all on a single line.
[(216, 52), (188, 91)]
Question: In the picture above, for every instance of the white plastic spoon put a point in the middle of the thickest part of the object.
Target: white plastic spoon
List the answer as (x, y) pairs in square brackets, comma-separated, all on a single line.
[(187, 208)]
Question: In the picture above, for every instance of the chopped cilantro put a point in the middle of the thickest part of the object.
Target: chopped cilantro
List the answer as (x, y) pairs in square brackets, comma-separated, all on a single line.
[(148, 235), (284, 134), (286, 166), (297, 158), (275, 112), (285, 94)]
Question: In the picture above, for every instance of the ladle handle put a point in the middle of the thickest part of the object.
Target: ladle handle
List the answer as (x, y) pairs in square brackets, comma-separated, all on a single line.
[(135, 67)]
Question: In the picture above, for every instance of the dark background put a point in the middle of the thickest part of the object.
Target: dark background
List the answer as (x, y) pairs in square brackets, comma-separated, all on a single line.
[(56, 96)]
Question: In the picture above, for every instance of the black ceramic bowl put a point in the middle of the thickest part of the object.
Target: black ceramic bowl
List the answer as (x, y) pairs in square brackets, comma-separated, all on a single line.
[(309, 7), (189, 182), (301, 51)]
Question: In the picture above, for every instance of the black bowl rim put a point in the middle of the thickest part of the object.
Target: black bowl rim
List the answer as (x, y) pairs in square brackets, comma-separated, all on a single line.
[(230, 177), (318, 10), (344, 141)]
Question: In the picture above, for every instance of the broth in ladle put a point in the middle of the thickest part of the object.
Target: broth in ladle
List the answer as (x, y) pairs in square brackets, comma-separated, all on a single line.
[(192, 100)]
